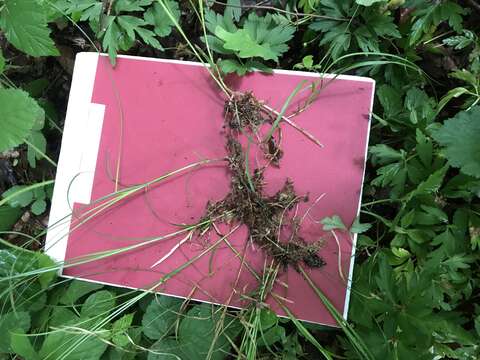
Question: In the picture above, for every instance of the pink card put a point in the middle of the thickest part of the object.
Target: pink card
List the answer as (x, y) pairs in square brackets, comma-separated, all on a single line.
[(150, 117)]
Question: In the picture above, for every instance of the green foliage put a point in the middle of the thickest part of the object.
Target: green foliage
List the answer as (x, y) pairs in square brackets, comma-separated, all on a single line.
[(12, 322), (19, 115), (187, 345), (25, 26), (427, 17), (459, 136), (341, 37), (122, 28), (23, 197), (259, 37), (161, 316), (2, 62)]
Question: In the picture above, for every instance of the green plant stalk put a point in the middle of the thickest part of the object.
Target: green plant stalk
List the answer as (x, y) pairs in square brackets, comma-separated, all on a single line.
[(283, 110), (45, 156), (355, 339), (164, 279)]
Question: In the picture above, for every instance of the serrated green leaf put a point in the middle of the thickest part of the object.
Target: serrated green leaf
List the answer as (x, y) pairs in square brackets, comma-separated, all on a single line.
[(79, 346), (358, 228), (201, 320), (131, 5), (431, 185), (25, 26), (119, 330), (459, 138), (19, 320), (161, 21), (259, 37), (233, 9), (332, 223), (385, 154), (130, 24), (160, 316), (77, 289), (22, 346), (245, 46), (167, 349), (99, 303), (18, 116)]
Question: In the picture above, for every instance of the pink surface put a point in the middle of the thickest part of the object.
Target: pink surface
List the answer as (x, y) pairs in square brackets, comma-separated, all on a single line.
[(172, 116)]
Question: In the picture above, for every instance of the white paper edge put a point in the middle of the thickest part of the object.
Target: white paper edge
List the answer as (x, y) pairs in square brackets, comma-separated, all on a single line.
[(76, 164), (354, 240), (73, 165)]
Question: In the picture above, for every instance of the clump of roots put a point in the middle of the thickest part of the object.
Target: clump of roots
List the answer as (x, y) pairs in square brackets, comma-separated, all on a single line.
[(244, 113), (263, 215)]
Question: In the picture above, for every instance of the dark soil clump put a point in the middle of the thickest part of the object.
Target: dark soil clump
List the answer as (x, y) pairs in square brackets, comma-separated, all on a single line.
[(266, 217)]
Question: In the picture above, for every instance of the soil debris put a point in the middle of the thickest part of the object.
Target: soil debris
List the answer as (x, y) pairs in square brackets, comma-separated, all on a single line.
[(244, 111), (266, 217)]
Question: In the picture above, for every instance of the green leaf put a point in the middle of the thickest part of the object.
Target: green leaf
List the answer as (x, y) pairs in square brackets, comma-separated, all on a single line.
[(431, 185), (111, 38), (99, 303), (160, 316), (459, 138), (2, 62), (22, 346), (245, 46), (229, 66), (332, 223), (77, 289), (38, 206), (368, 2), (25, 26), (18, 116), (233, 9), (267, 319), (385, 154), (9, 216), (259, 37), (120, 328), (358, 228), (168, 349), (58, 344), (201, 320), (307, 61), (131, 5), (22, 199), (390, 99), (19, 320), (157, 17), (424, 148), (37, 139)]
